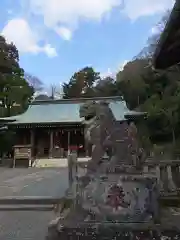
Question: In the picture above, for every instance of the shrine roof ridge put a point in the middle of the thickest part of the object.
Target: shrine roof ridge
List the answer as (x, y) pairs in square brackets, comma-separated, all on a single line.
[(76, 100)]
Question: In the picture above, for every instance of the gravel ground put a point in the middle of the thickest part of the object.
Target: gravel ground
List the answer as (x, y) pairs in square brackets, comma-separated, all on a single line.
[(29, 182)]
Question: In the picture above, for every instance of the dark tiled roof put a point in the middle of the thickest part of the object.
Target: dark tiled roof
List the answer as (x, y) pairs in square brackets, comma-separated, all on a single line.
[(64, 111), (167, 53)]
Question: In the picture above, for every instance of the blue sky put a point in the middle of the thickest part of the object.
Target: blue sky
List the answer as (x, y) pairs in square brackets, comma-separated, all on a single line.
[(55, 38)]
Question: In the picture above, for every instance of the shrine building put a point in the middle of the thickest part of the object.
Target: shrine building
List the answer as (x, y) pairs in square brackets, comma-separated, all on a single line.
[(53, 127)]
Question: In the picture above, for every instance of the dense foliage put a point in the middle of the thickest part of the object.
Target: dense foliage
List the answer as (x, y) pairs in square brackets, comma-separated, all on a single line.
[(143, 89), (81, 83), (15, 91)]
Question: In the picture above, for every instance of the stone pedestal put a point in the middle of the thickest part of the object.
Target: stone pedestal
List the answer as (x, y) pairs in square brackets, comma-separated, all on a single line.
[(122, 198)]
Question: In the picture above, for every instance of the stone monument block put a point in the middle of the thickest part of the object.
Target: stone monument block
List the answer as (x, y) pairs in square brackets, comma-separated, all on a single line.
[(122, 198)]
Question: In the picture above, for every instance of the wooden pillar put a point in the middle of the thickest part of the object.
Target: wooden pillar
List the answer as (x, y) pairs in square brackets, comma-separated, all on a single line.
[(69, 138), (70, 166), (51, 144), (32, 139)]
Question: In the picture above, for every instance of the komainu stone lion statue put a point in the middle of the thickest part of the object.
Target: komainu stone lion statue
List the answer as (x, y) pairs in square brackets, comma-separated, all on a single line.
[(116, 189), (106, 135), (97, 118)]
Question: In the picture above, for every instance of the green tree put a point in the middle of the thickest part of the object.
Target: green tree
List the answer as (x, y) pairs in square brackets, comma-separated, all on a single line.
[(157, 93), (81, 84), (131, 84), (15, 92), (154, 93), (34, 82), (106, 87)]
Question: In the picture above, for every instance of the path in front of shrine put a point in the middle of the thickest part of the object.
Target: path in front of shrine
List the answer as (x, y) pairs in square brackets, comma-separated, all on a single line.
[(29, 182), (55, 162)]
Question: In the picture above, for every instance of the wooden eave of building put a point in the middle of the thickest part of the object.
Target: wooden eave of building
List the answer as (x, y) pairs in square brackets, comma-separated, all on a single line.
[(167, 52), (65, 112), (5, 120), (45, 125)]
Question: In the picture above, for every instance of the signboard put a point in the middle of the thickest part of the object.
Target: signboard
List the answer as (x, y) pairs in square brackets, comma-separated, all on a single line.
[(22, 153)]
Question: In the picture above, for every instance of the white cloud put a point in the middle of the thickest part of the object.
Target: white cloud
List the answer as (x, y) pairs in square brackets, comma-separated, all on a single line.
[(58, 13), (64, 32), (63, 17), (49, 50), (70, 12), (20, 33), (138, 8)]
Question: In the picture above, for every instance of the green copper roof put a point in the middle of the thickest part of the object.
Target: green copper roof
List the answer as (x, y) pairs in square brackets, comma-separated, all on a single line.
[(64, 111)]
